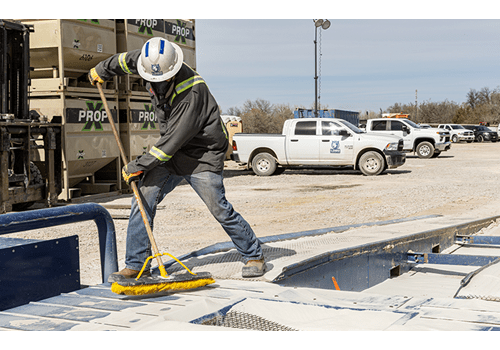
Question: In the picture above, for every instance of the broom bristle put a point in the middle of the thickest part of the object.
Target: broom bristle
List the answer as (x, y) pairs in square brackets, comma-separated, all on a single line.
[(159, 287)]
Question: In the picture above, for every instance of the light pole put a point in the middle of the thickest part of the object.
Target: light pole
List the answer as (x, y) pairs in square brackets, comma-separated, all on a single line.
[(325, 24)]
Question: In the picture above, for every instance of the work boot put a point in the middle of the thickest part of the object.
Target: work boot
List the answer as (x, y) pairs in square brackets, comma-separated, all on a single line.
[(254, 268), (126, 273)]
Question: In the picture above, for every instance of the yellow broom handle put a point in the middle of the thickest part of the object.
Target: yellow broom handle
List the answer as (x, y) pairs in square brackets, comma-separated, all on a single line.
[(154, 248)]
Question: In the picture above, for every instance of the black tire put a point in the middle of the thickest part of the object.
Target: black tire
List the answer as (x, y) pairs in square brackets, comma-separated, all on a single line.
[(371, 163), (425, 150), (454, 138), (36, 179), (436, 154), (480, 138), (264, 164), (279, 170)]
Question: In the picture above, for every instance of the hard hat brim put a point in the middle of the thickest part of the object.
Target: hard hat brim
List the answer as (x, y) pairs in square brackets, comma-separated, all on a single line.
[(156, 78)]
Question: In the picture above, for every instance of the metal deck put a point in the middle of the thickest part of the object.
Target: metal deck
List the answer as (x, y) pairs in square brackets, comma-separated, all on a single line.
[(381, 288)]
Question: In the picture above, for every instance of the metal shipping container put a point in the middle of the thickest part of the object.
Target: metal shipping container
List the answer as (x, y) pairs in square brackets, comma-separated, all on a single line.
[(88, 142), (233, 125), (182, 32), (63, 50), (132, 34), (139, 129)]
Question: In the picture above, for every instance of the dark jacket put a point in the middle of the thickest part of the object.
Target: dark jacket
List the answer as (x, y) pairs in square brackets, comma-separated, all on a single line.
[(193, 137)]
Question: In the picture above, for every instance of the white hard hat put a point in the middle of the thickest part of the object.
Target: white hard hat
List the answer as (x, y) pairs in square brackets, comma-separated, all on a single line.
[(159, 60)]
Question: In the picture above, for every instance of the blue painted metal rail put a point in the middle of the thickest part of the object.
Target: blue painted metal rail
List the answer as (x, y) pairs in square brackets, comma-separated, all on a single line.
[(481, 240), (450, 259), (43, 218)]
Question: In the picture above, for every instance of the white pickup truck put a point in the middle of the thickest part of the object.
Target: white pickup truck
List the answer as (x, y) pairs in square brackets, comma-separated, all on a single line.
[(425, 142), (458, 132), (318, 141)]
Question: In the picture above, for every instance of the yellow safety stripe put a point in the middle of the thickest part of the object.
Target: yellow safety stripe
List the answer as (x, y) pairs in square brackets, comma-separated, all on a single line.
[(123, 63), (159, 154), (223, 128), (186, 84)]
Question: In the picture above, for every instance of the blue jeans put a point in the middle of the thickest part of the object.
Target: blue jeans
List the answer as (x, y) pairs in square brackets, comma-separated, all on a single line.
[(156, 184)]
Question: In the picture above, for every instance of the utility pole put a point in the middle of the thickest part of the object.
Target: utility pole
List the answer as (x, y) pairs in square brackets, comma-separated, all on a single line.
[(325, 24), (416, 106)]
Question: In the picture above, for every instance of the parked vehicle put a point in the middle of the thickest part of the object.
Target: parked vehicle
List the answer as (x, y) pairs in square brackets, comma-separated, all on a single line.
[(425, 142), (458, 132), (318, 141), (483, 133)]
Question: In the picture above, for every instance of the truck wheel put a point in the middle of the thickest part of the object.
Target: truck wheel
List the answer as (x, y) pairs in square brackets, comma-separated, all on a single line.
[(264, 164), (371, 163), (480, 138), (36, 179), (425, 150), (454, 138)]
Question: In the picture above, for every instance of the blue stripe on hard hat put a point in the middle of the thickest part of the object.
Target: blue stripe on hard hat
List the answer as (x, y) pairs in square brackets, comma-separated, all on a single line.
[(162, 46), (147, 49)]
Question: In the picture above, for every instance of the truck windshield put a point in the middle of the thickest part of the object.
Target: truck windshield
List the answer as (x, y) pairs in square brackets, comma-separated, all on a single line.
[(456, 126), (412, 124), (354, 128)]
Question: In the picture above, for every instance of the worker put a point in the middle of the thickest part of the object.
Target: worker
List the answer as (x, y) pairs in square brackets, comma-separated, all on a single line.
[(192, 146)]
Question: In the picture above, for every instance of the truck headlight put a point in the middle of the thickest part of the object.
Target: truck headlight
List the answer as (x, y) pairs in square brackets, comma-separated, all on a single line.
[(392, 146)]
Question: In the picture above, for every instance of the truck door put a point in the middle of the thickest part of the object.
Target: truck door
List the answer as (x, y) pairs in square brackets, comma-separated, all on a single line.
[(397, 129), (335, 149), (303, 143)]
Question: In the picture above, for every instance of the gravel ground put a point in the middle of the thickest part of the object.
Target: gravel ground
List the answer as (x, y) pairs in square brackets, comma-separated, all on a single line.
[(464, 180)]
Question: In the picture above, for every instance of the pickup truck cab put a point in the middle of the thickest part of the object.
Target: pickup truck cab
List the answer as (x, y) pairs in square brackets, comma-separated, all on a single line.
[(458, 132), (318, 141), (425, 142)]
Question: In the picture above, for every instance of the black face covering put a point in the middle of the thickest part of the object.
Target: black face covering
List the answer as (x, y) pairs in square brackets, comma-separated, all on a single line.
[(162, 87), (161, 90)]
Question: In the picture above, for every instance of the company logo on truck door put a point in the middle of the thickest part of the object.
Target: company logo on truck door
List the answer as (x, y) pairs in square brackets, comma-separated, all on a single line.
[(180, 31), (335, 147), (92, 117), (146, 26), (146, 117)]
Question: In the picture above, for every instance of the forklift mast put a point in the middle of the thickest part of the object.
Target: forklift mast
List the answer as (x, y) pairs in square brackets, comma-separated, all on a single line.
[(24, 136)]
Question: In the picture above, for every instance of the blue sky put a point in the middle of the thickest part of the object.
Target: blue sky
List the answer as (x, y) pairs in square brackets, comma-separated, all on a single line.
[(366, 64)]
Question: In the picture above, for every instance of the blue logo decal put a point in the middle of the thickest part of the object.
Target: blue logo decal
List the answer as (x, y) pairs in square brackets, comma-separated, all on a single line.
[(335, 147), (156, 69)]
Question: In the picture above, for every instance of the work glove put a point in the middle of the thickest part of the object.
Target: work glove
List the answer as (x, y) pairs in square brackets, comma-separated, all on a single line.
[(94, 77), (130, 173)]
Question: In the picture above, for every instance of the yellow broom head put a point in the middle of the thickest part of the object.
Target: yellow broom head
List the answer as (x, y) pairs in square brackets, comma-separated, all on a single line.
[(151, 285), (159, 287)]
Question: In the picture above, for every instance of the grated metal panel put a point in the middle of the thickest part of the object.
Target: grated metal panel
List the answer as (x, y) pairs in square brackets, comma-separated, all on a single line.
[(228, 265), (243, 320)]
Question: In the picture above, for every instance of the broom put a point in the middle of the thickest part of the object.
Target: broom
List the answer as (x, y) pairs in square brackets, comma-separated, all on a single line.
[(153, 284)]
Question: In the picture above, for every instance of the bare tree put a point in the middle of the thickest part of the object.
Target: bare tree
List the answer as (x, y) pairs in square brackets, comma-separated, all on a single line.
[(437, 112), (484, 96), (472, 98), (233, 111), (257, 116)]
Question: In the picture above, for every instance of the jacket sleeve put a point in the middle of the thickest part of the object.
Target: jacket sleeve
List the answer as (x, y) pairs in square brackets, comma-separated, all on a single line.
[(185, 122), (119, 64)]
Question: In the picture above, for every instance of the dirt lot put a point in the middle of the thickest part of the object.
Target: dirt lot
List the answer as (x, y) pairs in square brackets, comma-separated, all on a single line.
[(464, 180)]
